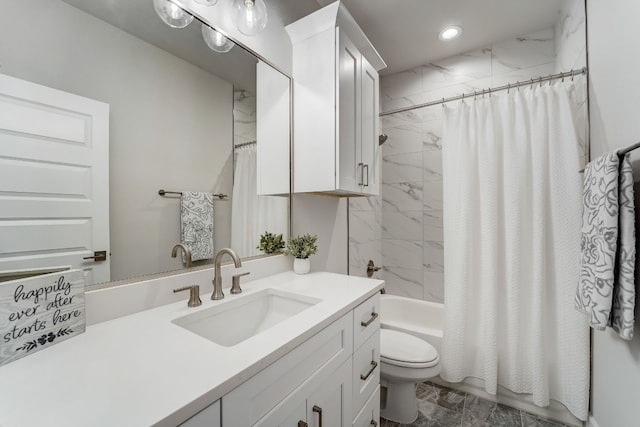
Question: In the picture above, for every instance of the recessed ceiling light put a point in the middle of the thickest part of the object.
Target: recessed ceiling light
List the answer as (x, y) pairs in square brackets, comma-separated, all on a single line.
[(450, 33)]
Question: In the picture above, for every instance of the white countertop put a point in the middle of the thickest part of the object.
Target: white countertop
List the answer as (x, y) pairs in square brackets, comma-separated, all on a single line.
[(142, 369)]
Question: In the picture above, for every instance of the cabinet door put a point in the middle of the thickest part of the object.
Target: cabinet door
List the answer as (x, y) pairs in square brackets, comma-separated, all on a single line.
[(273, 126), (348, 115), (290, 413), (369, 130), (330, 404), (275, 394), (369, 416)]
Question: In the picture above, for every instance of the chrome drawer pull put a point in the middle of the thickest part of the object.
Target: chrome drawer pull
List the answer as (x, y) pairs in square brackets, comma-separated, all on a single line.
[(374, 316), (374, 365), (318, 409), (367, 174)]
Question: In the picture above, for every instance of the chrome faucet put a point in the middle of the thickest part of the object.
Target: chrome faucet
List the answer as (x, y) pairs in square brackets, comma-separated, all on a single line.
[(217, 278), (187, 254)]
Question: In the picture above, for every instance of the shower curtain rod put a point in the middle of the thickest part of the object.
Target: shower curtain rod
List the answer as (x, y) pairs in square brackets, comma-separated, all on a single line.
[(474, 94), (244, 144), (621, 152)]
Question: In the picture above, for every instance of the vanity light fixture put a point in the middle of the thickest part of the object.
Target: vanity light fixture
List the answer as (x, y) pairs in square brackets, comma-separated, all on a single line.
[(216, 41), (172, 14), (251, 16), (450, 33)]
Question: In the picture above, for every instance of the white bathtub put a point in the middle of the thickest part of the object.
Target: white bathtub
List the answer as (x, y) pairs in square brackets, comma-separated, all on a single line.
[(416, 317)]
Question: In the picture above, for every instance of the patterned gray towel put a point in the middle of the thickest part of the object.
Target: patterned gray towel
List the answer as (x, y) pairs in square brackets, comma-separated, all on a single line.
[(196, 224), (608, 246), (624, 289)]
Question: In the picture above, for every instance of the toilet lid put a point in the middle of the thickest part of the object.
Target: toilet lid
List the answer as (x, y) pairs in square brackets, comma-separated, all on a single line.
[(401, 349)]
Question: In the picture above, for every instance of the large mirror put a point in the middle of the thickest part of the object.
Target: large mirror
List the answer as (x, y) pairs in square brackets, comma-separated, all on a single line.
[(126, 106)]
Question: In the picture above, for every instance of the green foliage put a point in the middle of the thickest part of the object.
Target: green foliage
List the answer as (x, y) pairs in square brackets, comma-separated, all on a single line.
[(271, 243), (302, 246)]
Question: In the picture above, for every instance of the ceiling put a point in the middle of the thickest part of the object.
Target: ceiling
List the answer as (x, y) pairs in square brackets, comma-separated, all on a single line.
[(138, 18), (405, 32)]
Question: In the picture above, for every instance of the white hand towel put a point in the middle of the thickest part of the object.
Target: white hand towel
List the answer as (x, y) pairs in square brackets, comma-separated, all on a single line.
[(196, 224)]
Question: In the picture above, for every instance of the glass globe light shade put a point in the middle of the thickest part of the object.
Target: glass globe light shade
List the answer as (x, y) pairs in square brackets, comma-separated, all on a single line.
[(172, 14), (251, 16), (207, 2), (215, 40)]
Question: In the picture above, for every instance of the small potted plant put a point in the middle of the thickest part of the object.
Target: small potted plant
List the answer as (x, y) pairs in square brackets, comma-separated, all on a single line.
[(271, 243), (301, 247)]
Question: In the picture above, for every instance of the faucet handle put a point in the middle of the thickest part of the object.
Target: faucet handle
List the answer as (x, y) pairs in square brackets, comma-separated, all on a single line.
[(194, 295), (235, 282)]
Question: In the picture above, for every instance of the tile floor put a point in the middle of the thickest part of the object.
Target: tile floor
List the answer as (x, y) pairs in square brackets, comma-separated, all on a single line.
[(443, 407)]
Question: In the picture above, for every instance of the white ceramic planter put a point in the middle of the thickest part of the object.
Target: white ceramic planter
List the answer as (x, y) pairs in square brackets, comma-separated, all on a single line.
[(301, 265)]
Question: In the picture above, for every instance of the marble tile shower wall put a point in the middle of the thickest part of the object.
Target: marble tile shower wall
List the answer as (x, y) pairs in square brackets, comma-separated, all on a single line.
[(410, 244), (365, 235), (570, 35), (244, 116)]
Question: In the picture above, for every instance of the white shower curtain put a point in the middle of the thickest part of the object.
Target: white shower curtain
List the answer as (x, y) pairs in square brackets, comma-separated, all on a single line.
[(512, 209), (252, 215)]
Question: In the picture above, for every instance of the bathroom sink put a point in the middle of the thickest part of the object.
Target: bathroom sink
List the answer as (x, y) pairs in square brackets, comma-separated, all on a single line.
[(239, 319)]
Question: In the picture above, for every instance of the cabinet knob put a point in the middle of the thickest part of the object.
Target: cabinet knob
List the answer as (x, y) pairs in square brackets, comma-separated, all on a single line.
[(302, 424)]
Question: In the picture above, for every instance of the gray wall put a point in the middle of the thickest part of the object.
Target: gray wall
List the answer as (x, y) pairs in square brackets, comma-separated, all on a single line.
[(614, 66), (171, 123)]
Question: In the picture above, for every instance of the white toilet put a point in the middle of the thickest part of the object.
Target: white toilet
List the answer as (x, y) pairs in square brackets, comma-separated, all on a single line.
[(405, 360)]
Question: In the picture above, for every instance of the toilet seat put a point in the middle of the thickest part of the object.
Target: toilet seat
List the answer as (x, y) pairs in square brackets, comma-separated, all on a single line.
[(404, 350)]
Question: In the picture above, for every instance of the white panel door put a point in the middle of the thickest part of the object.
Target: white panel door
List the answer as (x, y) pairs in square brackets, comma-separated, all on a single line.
[(54, 178)]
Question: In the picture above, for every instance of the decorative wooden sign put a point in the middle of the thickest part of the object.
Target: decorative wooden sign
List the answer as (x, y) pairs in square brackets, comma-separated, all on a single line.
[(38, 312)]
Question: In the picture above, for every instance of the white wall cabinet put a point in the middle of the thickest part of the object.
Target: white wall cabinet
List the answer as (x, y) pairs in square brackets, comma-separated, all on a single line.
[(273, 127), (336, 105)]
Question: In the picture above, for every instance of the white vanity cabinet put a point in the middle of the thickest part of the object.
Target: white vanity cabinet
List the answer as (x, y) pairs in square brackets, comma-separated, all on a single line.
[(314, 374), (366, 363), (336, 105), (320, 382), (208, 417)]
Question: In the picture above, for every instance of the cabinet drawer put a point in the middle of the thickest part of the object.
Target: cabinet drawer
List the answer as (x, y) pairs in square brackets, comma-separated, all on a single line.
[(366, 371), (325, 351), (369, 416), (366, 320)]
